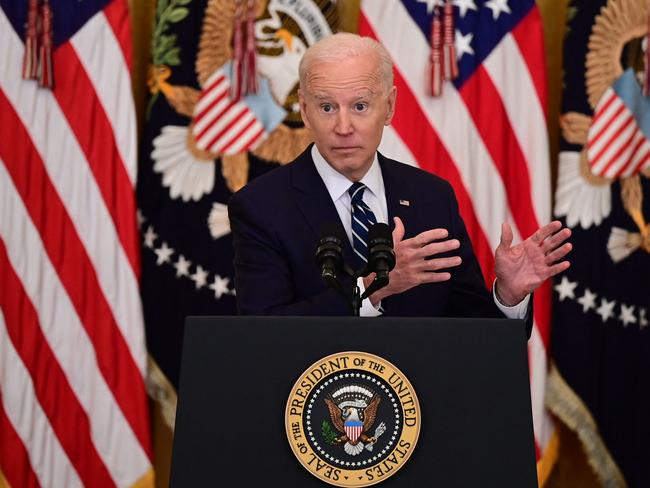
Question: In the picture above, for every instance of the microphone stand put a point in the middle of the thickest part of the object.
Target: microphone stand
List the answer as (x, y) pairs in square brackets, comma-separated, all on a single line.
[(355, 302), (353, 295), (355, 299)]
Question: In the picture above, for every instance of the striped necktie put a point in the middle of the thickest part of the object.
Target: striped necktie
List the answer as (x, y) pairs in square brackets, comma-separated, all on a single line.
[(362, 219)]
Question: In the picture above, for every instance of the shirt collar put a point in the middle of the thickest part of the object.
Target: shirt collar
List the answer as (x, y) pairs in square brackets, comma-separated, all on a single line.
[(337, 184)]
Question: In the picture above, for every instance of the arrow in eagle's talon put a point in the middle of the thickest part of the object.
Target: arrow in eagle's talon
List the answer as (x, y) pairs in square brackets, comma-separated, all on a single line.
[(381, 428)]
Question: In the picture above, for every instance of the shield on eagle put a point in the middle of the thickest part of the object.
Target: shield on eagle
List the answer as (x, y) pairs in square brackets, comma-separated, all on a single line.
[(353, 429)]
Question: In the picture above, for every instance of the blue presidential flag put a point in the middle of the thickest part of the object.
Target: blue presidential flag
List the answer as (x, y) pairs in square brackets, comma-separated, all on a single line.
[(601, 338)]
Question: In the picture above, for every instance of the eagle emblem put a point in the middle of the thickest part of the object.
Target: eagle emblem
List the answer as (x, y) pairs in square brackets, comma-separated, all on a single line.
[(353, 410), (352, 419)]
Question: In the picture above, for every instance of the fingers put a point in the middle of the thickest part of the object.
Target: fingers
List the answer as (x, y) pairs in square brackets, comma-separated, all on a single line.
[(413, 264), (558, 268), (437, 248), (426, 237), (440, 263), (549, 229), (557, 254), (506, 236), (555, 240), (426, 277), (435, 277), (420, 247), (398, 231)]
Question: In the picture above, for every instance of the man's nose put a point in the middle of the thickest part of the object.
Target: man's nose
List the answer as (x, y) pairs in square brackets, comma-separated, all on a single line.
[(343, 123)]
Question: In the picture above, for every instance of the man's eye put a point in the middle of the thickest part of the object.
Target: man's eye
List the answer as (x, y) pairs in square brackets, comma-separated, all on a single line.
[(326, 107), (360, 107)]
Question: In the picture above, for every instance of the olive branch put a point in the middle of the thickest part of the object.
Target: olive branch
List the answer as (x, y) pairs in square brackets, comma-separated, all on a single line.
[(328, 433), (163, 48), (163, 45)]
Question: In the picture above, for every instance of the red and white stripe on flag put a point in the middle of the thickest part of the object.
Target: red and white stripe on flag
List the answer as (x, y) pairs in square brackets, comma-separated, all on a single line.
[(73, 404), (353, 431), (616, 145), (488, 138), (221, 124)]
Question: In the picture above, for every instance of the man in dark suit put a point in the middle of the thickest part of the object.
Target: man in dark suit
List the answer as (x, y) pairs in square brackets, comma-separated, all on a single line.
[(346, 98)]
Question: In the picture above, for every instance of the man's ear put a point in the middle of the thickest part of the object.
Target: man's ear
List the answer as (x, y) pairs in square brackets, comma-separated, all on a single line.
[(303, 108), (392, 96)]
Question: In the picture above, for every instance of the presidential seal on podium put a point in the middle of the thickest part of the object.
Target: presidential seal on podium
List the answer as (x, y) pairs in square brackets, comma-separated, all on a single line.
[(352, 419)]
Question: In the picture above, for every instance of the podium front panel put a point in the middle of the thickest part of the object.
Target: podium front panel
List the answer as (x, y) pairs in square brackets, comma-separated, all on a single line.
[(470, 376)]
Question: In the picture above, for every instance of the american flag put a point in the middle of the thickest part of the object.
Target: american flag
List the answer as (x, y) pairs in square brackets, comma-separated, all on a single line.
[(73, 405), (618, 143), (486, 134), (221, 124)]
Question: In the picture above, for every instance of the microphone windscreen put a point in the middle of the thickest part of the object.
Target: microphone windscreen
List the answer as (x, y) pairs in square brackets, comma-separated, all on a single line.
[(380, 233), (332, 229)]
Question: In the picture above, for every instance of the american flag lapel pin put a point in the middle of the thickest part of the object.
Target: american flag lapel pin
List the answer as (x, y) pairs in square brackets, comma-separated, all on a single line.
[(406, 203)]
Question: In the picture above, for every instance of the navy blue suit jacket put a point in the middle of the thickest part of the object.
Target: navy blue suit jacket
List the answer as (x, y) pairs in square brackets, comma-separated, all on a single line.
[(276, 220)]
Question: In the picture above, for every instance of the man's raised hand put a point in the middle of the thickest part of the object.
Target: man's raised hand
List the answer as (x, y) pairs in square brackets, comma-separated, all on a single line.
[(522, 268), (411, 267)]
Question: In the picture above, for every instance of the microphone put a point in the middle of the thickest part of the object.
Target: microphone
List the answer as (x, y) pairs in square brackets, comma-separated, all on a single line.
[(329, 252), (381, 257)]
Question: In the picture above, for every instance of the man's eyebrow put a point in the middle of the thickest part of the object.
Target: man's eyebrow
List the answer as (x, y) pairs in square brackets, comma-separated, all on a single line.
[(364, 94), (358, 95)]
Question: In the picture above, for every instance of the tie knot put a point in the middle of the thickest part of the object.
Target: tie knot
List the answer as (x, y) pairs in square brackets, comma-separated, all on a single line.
[(356, 191)]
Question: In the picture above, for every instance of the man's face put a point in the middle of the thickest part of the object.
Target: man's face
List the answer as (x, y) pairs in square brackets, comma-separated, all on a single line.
[(346, 107)]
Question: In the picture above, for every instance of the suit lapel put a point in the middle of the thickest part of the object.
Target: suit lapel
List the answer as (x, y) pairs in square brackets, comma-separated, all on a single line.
[(313, 199), (398, 199)]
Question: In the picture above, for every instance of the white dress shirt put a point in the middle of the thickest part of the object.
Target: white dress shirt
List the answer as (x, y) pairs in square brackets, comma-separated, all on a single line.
[(375, 197)]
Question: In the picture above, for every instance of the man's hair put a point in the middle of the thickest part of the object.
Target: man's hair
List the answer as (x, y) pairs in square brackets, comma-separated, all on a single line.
[(343, 45)]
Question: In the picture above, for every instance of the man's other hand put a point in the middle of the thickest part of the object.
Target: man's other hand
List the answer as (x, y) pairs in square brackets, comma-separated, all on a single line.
[(521, 269)]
